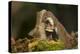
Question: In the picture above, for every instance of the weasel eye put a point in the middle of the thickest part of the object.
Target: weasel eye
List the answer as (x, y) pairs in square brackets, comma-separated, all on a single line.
[(46, 21)]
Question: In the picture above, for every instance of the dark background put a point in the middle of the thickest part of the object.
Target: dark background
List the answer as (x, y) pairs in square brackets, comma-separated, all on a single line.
[(23, 16)]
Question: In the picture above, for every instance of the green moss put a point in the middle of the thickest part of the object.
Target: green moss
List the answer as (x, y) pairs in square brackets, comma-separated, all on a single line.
[(44, 45)]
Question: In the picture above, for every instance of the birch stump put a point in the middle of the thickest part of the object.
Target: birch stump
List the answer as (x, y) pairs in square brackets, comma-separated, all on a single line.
[(39, 29)]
